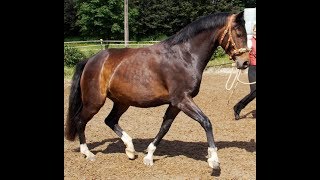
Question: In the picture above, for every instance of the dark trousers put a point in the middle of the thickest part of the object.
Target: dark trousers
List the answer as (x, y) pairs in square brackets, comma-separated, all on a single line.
[(248, 98)]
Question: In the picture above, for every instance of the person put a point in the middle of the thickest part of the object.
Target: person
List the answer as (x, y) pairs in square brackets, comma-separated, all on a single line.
[(251, 77)]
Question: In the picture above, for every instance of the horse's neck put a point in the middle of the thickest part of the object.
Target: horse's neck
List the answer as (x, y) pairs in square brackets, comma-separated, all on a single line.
[(200, 48)]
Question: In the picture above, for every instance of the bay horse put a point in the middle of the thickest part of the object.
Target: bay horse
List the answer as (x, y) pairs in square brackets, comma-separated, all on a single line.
[(168, 72)]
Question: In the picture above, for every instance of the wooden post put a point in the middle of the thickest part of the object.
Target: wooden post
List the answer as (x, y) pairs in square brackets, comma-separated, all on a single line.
[(126, 29), (101, 41)]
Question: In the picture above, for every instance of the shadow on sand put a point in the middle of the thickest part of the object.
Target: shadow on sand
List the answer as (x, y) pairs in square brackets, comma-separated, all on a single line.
[(194, 150)]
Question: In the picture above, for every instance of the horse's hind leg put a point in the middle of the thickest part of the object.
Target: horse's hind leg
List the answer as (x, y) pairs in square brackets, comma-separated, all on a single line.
[(112, 121), (168, 118), (85, 116)]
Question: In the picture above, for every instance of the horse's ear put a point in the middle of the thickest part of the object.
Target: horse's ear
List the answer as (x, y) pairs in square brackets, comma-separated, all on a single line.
[(240, 17)]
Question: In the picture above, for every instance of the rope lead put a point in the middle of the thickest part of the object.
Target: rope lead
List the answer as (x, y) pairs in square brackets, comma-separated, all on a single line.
[(236, 77)]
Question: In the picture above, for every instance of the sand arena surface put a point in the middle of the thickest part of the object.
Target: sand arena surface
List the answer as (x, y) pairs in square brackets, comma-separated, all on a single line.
[(182, 152)]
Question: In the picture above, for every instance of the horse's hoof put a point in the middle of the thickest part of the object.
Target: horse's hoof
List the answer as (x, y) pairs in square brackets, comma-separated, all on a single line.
[(236, 113), (130, 153), (148, 161), (216, 172), (236, 116), (213, 164), (91, 158)]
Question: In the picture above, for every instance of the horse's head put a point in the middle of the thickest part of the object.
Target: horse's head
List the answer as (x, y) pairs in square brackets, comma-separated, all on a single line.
[(234, 40)]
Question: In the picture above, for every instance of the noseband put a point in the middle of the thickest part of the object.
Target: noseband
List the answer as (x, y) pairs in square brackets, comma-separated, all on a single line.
[(236, 51)]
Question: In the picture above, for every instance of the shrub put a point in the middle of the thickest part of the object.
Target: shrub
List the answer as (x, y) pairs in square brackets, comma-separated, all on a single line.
[(219, 53), (72, 56)]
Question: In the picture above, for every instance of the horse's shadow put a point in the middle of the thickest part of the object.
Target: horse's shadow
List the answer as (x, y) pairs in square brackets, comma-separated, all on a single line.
[(194, 150)]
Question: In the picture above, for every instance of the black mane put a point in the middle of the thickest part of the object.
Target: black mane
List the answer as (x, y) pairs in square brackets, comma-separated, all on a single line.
[(204, 23)]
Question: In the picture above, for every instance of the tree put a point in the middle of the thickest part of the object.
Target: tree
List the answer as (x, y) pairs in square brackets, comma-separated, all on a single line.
[(101, 18), (69, 18), (148, 19), (166, 17)]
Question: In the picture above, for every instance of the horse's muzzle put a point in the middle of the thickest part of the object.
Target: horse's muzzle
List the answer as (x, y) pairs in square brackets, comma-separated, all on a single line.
[(242, 64)]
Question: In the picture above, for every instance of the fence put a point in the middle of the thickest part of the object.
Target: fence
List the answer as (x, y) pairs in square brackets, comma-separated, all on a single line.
[(96, 45), (93, 46)]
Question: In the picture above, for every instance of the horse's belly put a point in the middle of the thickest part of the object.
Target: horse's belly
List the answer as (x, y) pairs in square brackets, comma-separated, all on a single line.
[(138, 93)]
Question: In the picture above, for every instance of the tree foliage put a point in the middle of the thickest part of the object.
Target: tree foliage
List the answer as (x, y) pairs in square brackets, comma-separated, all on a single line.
[(99, 18), (69, 18), (147, 18)]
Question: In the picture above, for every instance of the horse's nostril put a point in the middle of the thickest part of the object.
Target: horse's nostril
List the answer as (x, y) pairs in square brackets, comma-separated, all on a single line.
[(246, 63)]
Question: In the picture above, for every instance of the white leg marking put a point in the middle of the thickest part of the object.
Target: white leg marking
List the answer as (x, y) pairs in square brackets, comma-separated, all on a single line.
[(213, 158), (148, 160), (127, 140), (85, 150)]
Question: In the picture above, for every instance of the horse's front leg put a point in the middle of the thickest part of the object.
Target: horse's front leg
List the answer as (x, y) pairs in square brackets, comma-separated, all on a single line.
[(168, 118), (188, 106)]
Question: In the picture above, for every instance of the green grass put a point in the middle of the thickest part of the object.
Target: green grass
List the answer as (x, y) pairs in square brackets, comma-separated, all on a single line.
[(87, 51), (68, 72), (223, 61), (91, 50)]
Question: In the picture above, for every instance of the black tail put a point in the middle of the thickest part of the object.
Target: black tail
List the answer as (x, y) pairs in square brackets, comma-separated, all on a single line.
[(75, 102)]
